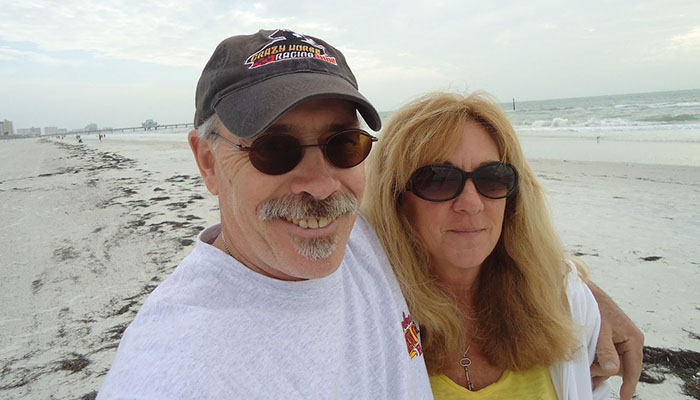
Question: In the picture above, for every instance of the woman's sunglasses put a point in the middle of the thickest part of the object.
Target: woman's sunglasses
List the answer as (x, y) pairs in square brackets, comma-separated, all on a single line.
[(279, 153), (443, 182)]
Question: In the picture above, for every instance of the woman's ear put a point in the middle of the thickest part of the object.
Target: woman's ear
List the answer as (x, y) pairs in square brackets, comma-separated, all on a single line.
[(206, 160)]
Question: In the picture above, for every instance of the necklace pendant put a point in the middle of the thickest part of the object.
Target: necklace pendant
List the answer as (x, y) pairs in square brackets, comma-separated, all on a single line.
[(466, 362)]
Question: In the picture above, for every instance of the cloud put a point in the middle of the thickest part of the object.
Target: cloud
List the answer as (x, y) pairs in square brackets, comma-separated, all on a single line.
[(687, 41), (10, 54), (378, 66), (181, 33), (252, 18), (116, 30)]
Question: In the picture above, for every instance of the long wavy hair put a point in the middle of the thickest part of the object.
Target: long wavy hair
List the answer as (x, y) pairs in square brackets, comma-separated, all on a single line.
[(520, 301)]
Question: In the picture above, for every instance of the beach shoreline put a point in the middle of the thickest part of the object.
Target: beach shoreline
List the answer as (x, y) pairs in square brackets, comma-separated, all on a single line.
[(91, 229)]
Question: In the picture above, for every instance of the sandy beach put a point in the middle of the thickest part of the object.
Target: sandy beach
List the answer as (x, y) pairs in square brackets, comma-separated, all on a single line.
[(90, 229)]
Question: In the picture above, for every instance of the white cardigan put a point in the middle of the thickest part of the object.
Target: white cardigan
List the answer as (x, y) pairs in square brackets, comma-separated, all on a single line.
[(572, 379)]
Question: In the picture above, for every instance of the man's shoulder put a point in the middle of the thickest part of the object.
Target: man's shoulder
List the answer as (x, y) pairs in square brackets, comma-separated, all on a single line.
[(362, 227), (364, 246), (363, 235), (177, 336)]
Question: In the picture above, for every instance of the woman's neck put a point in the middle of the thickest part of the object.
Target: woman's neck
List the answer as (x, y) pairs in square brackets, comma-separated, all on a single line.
[(461, 282)]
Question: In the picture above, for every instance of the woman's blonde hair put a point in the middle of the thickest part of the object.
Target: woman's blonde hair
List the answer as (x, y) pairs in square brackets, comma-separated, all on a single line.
[(521, 309)]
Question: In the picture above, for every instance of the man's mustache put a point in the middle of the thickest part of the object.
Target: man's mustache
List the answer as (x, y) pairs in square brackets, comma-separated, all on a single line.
[(306, 206)]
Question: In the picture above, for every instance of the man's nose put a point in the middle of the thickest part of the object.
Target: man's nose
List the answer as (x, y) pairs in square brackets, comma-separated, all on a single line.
[(314, 174)]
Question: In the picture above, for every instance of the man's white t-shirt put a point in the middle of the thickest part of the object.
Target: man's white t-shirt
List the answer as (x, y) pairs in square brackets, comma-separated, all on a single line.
[(217, 330)]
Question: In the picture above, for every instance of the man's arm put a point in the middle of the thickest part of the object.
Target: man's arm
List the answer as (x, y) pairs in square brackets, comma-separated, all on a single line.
[(619, 340)]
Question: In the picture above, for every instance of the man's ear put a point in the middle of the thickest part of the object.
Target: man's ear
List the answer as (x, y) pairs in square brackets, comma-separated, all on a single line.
[(206, 160)]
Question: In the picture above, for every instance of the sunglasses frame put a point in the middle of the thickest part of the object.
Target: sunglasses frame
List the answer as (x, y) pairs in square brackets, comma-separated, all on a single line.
[(323, 143), (465, 177)]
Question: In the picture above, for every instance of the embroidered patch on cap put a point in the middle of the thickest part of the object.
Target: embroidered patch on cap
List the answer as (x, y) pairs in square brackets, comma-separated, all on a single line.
[(412, 336), (287, 45)]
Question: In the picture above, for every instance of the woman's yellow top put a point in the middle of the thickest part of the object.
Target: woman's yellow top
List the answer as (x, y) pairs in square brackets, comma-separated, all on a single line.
[(533, 384)]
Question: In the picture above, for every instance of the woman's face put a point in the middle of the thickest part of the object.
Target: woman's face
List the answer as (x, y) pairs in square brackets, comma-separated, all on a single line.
[(460, 233)]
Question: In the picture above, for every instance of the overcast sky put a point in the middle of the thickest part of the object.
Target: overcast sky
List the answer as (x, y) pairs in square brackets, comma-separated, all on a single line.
[(68, 63)]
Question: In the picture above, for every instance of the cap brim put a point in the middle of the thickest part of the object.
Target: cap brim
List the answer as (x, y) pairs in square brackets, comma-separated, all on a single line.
[(248, 112)]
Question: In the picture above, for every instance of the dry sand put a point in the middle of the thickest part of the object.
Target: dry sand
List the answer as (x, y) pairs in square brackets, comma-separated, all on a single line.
[(89, 230)]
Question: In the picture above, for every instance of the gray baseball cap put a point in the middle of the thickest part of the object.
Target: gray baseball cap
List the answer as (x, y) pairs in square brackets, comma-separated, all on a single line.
[(252, 80)]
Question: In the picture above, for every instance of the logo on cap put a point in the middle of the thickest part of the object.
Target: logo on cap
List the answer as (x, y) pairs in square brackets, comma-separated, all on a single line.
[(287, 45)]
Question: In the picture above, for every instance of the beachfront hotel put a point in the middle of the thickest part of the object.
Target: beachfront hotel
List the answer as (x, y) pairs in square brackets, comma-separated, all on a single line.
[(6, 128)]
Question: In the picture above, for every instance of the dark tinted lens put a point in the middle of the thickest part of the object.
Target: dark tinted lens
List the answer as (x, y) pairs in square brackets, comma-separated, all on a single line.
[(275, 154), (495, 180), (436, 183), (349, 148)]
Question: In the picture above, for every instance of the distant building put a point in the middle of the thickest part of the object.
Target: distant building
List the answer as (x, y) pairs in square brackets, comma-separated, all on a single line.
[(33, 131), (6, 128), (50, 130), (91, 127)]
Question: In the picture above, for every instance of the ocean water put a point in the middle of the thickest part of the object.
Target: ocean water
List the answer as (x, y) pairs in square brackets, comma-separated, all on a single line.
[(659, 116), (644, 128)]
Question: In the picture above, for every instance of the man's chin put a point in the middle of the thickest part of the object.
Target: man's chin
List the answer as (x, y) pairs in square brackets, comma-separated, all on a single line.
[(316, 248), (318, 264)]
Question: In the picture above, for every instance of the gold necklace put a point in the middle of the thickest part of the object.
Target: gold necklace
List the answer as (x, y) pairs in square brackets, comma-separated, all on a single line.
[(466, 362)]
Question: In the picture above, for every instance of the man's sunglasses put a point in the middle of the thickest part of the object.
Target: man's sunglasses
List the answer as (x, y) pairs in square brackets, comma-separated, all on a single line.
[(279, 153), (443, 182)]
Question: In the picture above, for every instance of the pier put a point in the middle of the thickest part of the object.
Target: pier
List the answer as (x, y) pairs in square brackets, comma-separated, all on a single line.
[(128, 129)]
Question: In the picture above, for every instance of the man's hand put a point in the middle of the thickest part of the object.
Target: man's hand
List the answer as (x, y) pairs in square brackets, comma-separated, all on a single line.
[(619, 340)]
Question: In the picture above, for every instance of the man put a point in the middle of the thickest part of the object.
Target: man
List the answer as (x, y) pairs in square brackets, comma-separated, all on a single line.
[(291, 295), (274, 302)]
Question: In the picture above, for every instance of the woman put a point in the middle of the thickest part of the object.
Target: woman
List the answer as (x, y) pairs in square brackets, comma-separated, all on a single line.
[(465, 225)]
